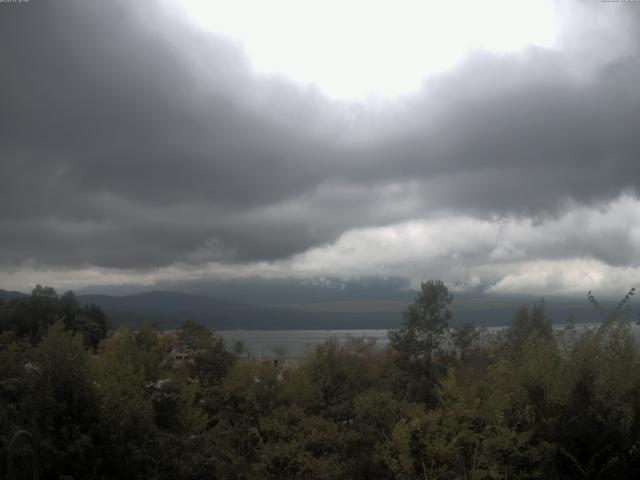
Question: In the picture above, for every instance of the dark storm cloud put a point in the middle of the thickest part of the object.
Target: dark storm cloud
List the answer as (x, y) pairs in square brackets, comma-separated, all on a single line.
[(128, 139), (109, 142)]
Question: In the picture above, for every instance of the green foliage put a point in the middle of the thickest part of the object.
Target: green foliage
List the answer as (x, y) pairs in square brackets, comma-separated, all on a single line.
[(195, 335), (338, 373), (58, 401), (527, 404), (299, 446), (425, 323), (211, 360), (529, 322), (620, 311), (464, 340), (30, 317), (239, 348), (418, 341)]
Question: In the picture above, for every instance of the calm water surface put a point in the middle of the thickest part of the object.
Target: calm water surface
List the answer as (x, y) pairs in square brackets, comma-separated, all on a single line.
[(295, 343), (263, 343)]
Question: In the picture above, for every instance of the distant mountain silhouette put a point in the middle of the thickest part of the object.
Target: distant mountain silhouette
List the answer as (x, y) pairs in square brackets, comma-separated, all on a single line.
[(9, 295), (168, 309)]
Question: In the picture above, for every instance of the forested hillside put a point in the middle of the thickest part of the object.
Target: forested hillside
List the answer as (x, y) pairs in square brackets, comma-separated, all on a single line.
[(527, 403)]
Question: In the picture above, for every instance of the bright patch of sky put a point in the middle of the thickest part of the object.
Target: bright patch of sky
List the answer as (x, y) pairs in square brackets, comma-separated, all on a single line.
[(363, 48)]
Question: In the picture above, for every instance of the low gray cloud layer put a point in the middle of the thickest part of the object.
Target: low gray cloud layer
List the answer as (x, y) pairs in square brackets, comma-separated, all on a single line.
[(130, 140)]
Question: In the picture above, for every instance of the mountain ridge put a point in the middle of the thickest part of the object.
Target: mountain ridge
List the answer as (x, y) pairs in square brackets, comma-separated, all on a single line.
[(167, 309)]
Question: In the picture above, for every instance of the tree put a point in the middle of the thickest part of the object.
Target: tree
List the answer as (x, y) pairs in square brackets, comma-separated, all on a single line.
[(195, 335), (338, 373), (529, 322), (464, 339), (239, 348), (60, 404), (45, 292), (622, 310), (211, 360), (31, 316), (425, 324)]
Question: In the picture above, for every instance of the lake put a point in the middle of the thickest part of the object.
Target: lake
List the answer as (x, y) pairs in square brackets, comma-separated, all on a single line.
[(295, 343)]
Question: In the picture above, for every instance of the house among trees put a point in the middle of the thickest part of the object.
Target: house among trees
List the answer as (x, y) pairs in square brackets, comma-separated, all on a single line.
[(182, 355)]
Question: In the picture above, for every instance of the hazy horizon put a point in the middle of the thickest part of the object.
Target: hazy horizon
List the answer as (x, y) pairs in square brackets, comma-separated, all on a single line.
[(492, 145)]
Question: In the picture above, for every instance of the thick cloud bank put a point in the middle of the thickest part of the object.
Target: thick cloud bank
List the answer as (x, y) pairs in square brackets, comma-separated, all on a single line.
[(131, 142)]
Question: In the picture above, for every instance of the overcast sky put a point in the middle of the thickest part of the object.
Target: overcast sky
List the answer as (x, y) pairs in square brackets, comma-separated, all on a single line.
[(145, 142)]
